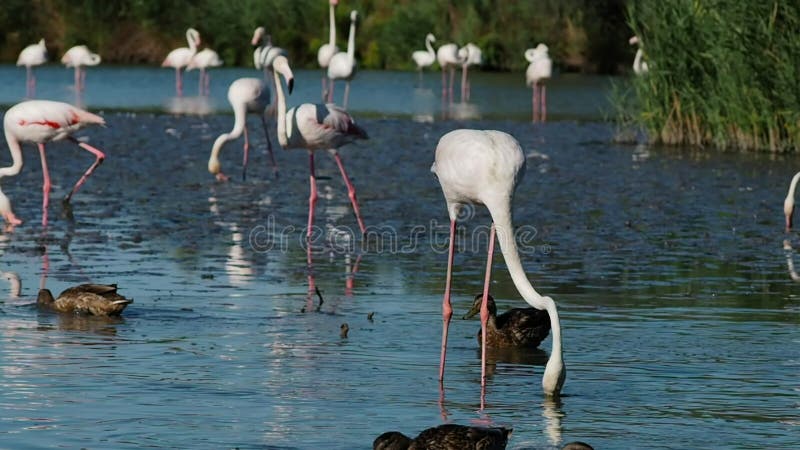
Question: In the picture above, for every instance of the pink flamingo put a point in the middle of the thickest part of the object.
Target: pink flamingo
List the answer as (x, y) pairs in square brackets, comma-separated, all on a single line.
[(246, 95), (204, 60), (343, 65), (484, 167), (77, 57), (449, 57), (539, 71), (472, 57), (327, 50), (315, 127), (32, 55), (181, 57), (39, 122)]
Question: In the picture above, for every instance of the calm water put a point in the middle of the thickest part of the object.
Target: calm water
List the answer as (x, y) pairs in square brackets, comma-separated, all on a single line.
[(680, 315)]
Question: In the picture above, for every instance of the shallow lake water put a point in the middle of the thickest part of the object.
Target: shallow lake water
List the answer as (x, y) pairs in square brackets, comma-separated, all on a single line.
[(678, 307)]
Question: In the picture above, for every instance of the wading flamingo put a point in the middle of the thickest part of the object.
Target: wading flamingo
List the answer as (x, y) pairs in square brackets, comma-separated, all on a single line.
[(246, 95), (639, 65), (343, 65), (315, 127), (449, 57), (788, 203), (425, 58), (265, 53), (39, 122), (77, 57), (484, 167), (204, 60), (327, 50), (539, 71), (32, 55), (472, 57), (180, 57)]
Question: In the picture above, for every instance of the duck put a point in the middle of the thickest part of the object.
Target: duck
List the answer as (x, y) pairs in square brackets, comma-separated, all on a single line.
[(446, 437), (88, 299), (517, 327)]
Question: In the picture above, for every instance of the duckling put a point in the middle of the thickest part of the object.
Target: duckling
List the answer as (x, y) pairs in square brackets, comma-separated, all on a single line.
[(446, 437), (91, 299), (517, 327)]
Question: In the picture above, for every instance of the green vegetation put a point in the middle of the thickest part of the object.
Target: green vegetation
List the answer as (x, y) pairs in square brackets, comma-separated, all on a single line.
[(722, 73), (585, 35)]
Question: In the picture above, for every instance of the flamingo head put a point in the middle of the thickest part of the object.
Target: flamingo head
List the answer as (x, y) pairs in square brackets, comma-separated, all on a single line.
[(257, 35), (193, 35), (541, 49), (430, 37), (353, 16), (554, 375), (5, 211), (45, 297), (213, 165), (788, 211), (633, 40), (334, 2), (281, 65)]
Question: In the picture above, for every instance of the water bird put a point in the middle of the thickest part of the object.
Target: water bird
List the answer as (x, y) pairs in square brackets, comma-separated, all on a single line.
[(472, 56), (78, 57), (91, 299), (265, 52), (181, 57), (788, 203), (32, 55), (639, 64), (539, 71), (328, 49), (246, 95), (343, 330), (577, 445), (39, 122), (446, 437), (204, 60), (449, 57), (343, 65), (484, 167), (517, 327), (425, 58)]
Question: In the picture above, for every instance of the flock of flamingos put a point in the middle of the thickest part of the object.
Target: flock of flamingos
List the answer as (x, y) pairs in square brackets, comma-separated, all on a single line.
[(472, 166)]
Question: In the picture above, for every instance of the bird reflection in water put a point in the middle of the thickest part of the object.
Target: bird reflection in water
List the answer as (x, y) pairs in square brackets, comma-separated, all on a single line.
[(789, 251), (200, 105)]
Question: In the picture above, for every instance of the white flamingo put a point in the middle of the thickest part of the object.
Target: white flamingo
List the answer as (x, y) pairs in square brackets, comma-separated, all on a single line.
[(425, 58), (265, 53), (315, 127), (639, 64), (204, 60), (181, 57), (327, 50), (788, 203), (246, 95), (449, 57), (32, 55), (539, 71), (472, 57), (343, 65), (484, 167), (77, 57), (39, 122)]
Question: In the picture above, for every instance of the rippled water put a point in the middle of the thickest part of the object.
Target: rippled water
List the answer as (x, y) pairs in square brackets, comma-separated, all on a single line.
[(680, 316)]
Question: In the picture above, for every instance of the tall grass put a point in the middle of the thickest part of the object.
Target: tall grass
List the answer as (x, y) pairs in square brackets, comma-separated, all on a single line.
[(723, 73)]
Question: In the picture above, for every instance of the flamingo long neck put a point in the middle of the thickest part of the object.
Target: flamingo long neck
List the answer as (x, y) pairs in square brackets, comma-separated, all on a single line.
[(16, 157), (351, 41), (637, 61), (429, 47), (793, 187), (332, 27), (283, 139), (192, 43)]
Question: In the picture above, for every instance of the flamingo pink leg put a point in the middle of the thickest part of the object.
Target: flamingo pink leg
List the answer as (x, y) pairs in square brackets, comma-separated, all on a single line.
[(31, 81), (351, 191), (324, 87), (312, 201), (447, 310), (444, 84), (246, 152), (544, 103), (346, 94), (100, 157), (269, 146), (485, 312), (330, 90), (178, 82), (452, 82), (83, 79), (536, 113), (464, 84), (45, 185)]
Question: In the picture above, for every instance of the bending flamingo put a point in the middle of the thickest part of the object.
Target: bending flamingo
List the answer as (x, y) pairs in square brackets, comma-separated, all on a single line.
[(32, 55), (425, 58), (788, 203), (472, 57), (246, 95), (538, 72), (39, 122), (327, 50), (484, 167), (204, 60), (77, 57), (343, 65), (315, 127), (181, 57), (449, 57), (639, 65)]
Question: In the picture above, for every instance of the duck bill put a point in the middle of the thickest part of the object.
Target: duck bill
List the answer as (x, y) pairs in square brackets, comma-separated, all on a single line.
[(472, 312)]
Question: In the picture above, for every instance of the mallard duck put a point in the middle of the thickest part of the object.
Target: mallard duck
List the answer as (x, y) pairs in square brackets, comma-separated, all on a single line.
[(91, 299), (446, 437), (517, 327)]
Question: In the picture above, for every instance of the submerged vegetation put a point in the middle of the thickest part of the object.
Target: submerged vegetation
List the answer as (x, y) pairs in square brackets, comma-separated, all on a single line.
[(722, 73)]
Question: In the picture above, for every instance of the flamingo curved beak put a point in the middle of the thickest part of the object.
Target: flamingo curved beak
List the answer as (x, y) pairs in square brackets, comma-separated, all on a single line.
[(291, 84)]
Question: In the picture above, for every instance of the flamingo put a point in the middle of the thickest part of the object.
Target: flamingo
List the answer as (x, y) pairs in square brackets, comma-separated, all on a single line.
[(327, 50), (77, 57), (472, 57), (425, 58), (32, 55), (484, 167), (246, 95), (343, 65), (788, 203), (42, 121), (265, 53), (203, 60), (539, 71), (448, 57), (181, 57), (639, 65), (315, 127)]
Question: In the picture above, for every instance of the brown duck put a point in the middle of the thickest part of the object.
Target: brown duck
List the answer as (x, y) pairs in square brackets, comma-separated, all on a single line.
[(446, 437), (517, 327), (90, 299)]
